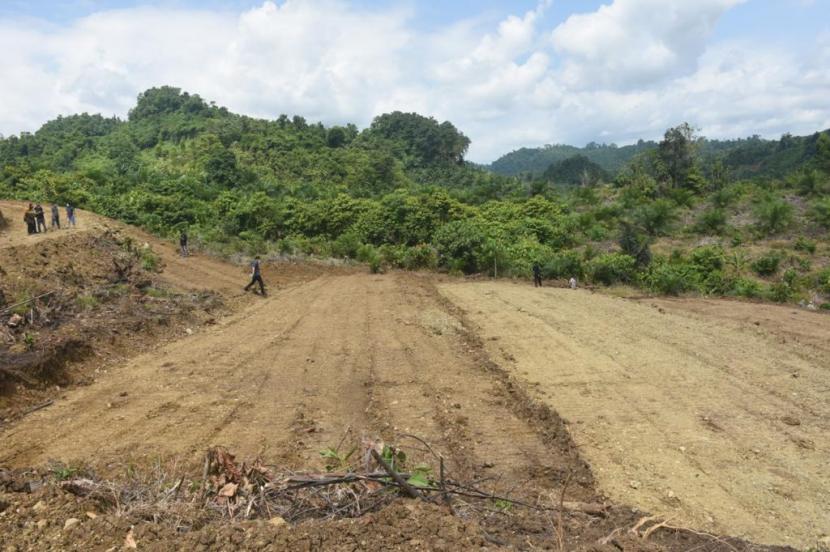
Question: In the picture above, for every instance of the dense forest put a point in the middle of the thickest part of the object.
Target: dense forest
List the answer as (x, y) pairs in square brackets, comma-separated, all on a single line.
[(745, 217), (743, 157)]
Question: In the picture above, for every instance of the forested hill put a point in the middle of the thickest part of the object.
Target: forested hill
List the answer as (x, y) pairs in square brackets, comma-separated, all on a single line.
[(671, 217), (536, 161), (744, 157)]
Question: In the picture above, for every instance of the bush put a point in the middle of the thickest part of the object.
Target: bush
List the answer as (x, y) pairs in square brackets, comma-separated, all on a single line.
[(150, 261), (611, 268), (656, 217), (712, 221), (780, 292), (805, 245), (563, 265), (745, 287), (708, 258), (768, 264), (420, 257), (773, 216), (820, 212), (346, 245), (822, 280), (671, 279), (460, 245)]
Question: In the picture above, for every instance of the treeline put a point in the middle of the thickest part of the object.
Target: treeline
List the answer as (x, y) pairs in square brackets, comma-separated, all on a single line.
[(400, 194)]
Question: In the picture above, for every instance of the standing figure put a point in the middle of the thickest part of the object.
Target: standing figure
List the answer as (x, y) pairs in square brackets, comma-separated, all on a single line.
[(56, 217), (183, 244), (537, 275), (70, 215), (572, 282), (41, 218), (256, 276), (30, 220)]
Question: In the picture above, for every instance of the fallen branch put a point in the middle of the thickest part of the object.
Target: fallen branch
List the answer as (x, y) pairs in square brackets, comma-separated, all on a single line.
[(407, 488)]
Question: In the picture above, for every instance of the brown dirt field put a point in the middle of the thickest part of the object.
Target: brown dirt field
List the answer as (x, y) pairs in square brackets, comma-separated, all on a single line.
[(335, 355), (686, 408)]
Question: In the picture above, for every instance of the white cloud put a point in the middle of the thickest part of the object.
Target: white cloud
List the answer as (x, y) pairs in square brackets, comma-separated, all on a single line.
[(632, 43), (628, 70)]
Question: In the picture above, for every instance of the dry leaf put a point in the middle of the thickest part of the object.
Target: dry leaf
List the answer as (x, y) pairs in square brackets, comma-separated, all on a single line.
[(228, 490)]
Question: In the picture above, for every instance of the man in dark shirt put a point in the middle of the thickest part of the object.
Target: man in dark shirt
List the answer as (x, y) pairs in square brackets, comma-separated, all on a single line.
[(56, 217), (70, 215), (537, 275), (183, 244), (40, 217), (256, 276)]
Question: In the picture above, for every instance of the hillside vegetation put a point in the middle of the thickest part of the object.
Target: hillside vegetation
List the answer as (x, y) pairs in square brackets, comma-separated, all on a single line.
[(674, 217)]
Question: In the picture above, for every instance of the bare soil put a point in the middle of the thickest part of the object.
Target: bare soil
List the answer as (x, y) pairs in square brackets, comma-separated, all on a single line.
[(713, 413), (334, 355)]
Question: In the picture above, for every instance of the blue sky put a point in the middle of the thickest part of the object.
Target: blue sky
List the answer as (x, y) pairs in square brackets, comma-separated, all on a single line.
[(508, 73)]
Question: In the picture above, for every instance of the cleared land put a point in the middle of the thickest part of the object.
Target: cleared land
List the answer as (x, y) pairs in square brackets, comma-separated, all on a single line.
[(714, 413)]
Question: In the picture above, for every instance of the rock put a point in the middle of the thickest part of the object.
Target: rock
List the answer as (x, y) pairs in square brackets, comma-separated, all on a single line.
[(15, 321), (277, 521), (91, 515), (42, 523), (70, 523), (634, 484), (670, 494), (789, 420), (39, 506), (188, 331)]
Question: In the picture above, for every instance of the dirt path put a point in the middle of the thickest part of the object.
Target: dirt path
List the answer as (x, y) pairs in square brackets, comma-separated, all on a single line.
[(701, 416), (199, 272), (287, 377)]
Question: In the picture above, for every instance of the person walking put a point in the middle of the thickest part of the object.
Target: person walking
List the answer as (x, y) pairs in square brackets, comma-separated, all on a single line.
[(40, 217), (256, 276), (537, 275), (183, 244), (56, 217), (30, 220), (70, 215)]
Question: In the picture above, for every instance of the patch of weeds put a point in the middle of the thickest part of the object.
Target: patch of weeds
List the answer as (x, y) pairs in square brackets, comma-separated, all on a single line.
[(87, 302), (156, 293), (29, 340), (150, 261), (336, 460)]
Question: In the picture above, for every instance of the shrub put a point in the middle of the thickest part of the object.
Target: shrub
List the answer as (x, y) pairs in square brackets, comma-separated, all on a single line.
[(708, 258), (611, 268), (346, 245), (671, 279), (712, 221), (725, 197), (805, 245), (420, 256), (773, 216), (656, 217), (780, 292), (745, 287), (768, 264), (150, 261), (460, 245), (822, 280), (635, 243), (562, 265), (820, 212)]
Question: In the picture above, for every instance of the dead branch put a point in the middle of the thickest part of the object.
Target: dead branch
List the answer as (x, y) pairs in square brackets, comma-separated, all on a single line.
[(407, 488)]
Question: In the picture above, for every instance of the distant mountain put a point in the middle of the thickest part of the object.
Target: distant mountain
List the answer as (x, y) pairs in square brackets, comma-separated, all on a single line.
[(744, 157), (537, 160)]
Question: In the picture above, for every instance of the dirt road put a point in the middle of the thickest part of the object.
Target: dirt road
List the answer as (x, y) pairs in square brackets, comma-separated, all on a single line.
[(697, 413)]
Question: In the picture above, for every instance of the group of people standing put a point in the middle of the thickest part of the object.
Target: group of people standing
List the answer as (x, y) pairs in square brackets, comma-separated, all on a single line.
[(35, 218)]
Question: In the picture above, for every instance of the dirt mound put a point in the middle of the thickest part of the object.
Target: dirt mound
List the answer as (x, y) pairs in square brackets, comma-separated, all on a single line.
[(77, 295)]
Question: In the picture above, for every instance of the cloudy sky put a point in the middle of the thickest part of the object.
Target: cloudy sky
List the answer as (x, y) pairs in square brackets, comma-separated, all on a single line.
[(509, 73)]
